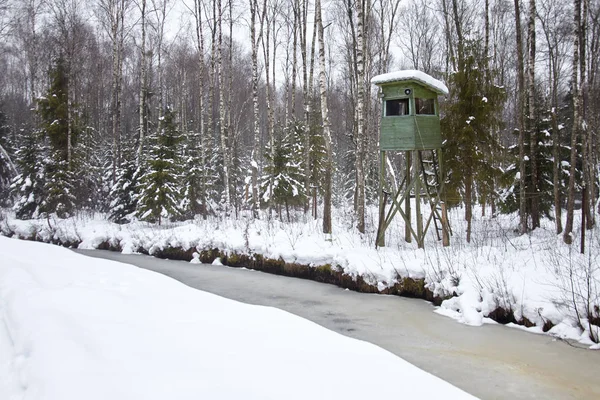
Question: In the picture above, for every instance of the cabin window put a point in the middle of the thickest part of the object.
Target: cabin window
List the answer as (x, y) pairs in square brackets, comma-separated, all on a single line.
[(425, 106), (396, 107)]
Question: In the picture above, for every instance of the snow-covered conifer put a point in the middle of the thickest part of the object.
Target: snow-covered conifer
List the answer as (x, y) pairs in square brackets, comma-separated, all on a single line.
[(59, 191), (28, 186), (124, 193), (160, 194), (59, 126), (283, 179), (7, 167)]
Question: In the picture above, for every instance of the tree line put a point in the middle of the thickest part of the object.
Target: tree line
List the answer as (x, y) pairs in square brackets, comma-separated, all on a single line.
[(167, 109)]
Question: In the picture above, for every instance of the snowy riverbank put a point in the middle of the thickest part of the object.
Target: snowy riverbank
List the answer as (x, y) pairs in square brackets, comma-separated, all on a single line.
[(534, 280), (74, 327)]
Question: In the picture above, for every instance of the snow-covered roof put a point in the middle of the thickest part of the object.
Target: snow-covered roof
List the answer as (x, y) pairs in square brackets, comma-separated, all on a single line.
[(411, 75)]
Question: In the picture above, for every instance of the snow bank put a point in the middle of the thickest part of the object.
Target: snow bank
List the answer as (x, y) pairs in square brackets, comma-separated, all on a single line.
[(406, 75), (527, 276), (73, 327)]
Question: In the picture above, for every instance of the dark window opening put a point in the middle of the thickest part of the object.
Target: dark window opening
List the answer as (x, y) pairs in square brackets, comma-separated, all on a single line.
[(425, 106), (396, 107)]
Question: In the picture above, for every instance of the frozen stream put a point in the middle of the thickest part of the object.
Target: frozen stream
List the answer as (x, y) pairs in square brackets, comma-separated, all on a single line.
[(491, 362)]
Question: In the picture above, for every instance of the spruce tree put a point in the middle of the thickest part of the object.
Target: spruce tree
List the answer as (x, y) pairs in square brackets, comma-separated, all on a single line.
[(318, 159), (124, 193), (7, 167), (472, 117), (193, 174), (89, 170), (28, 187), (54, 111), (284, 175), (59, 191), (160, 193), (543, 133), (58, 125)]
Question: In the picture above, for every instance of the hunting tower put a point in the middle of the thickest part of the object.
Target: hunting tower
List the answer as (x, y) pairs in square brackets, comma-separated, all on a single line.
[(410, 123)]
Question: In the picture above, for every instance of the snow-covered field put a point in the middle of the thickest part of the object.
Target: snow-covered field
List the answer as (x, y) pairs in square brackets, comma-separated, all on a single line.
[(536, 278), (73, 327)]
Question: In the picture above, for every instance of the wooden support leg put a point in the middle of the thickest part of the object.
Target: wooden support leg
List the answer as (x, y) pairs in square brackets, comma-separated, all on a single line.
[(445, 233), (417, 176), (407, 221), (380, 240)]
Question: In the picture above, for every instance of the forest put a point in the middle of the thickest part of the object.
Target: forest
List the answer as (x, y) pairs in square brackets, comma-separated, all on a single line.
[(163, 110)]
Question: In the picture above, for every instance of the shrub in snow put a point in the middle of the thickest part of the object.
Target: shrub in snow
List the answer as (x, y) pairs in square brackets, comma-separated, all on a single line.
[(577, 278)]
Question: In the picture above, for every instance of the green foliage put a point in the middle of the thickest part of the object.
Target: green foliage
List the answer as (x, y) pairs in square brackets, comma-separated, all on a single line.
[(193, 177), (59, 192), (199, 178), (124, 193), (88, 169), (58, 188), (53, 110), (545, 136), (468, 129), (160, 184), (7, 167), (28, 187), (318, 157), (283, 179)]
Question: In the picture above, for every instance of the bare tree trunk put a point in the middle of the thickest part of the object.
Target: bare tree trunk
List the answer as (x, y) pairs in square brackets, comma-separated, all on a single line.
[(592, 117), (111, 10), (230, 130), (325, 117), (553, 83), (296, 28), (211, 81), (360, 82), (567, 238), (303, 31), (161, 17), (533, 156), (486, 48), (143, 90), (200, 112), (469, 204), (587, 150), (256, 123), (270, 125), (521, 122), (69, 125), (31, 43), (222, 125), (450, 58), (308, 95), (387, 17)]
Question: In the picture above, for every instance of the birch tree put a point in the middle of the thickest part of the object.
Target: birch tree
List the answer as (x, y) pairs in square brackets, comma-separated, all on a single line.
[(577, 119), (360, 132), (113, 15), (533, 140), (325, 117), (552, 24), (223, 133), (255, 13), (143, 96), (203, 145), (523, 226)]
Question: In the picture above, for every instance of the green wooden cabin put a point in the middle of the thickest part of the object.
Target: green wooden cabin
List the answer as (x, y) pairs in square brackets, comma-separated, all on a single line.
[(410, 112)]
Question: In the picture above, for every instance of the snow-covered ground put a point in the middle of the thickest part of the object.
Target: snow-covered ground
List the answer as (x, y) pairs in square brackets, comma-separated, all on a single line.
[(536, 277), (73, 327)]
